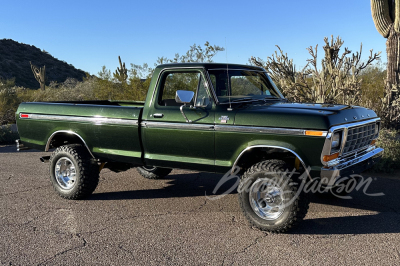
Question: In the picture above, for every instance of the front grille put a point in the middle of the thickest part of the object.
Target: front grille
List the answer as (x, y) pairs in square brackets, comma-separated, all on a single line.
[(359, 138)]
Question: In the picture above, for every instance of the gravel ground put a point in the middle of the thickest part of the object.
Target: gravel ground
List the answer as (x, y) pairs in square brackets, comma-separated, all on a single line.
[(133, 221)]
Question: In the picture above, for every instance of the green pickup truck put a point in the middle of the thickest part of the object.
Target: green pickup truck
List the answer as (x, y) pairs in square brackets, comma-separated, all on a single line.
[(221, 118)]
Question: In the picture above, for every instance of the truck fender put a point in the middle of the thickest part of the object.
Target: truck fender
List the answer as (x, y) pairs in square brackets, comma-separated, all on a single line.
[(67, 132), (272, 147)]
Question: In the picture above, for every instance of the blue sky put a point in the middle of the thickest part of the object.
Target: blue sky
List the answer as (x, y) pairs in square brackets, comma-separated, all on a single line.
[(90, 34)]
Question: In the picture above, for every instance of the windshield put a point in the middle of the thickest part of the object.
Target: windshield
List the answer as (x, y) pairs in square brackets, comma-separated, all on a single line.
[(242, 85)]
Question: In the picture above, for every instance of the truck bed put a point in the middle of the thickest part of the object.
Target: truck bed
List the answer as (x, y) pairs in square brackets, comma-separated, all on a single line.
[(110, 129)]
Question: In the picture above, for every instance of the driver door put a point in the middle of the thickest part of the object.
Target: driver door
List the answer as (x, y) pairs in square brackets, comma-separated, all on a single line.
[(169, 139)]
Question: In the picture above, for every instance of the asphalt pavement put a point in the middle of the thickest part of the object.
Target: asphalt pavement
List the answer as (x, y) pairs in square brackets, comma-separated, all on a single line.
[(130, 220)]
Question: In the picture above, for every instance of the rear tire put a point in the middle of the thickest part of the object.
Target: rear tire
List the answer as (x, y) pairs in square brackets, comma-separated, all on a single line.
[(73, 172), (269, 199), (151, 172)]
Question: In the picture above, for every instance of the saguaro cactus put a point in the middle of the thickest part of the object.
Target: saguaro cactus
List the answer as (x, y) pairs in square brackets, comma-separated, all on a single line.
[(121, 74), (386, 16), (40, 74)]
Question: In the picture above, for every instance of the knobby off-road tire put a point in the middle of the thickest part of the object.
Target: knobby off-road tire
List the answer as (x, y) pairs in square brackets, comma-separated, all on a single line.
[(73, 172), (150, 172), (270, 200)]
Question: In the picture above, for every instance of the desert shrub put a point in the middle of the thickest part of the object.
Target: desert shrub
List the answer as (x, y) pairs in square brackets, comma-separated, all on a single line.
[(7, 136), (108, 88), (336, 79), (69, 90), (373, 87), (390, 141), (9, 101)]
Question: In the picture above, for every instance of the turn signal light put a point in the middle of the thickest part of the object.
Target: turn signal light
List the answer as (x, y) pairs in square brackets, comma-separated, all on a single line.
[(331, 157), (314, 133), (373, 142)]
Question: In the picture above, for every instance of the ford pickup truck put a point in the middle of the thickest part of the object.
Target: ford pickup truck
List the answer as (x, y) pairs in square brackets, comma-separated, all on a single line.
[(221, 118)]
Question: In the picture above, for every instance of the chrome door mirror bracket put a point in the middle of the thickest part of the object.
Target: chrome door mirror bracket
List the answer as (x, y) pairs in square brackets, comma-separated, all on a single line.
[(184, 97)]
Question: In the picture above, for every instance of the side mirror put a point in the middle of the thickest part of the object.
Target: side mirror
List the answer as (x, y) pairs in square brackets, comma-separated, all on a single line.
[(184, 97)]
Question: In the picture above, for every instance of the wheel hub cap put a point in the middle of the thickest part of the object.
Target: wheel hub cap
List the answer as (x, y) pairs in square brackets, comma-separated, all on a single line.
[(267, 199), (65, 173)]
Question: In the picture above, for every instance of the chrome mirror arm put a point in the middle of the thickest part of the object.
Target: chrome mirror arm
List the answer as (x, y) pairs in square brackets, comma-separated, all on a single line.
[(187, 120)]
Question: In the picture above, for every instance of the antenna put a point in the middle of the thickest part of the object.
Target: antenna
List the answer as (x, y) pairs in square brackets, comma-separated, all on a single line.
[(227, 75)]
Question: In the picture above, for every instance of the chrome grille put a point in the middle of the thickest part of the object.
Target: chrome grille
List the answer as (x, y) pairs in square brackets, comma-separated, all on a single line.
[(359, 137)]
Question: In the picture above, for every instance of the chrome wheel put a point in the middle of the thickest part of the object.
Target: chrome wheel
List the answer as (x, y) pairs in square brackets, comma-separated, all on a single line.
[(267, 199), (65, 173)]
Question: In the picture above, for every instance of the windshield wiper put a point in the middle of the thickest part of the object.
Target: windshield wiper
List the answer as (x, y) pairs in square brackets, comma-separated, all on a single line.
[(243, 99), (251, 100), (272, 98)]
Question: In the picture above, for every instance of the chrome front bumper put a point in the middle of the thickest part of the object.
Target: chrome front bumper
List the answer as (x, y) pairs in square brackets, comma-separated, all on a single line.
[(350, 166)]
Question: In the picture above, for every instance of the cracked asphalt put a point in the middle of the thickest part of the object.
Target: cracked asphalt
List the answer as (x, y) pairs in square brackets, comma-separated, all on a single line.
[(133, 221)]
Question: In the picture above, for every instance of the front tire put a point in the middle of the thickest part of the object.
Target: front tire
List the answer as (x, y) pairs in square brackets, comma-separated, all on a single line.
[(73, 173), (270, 199), (152, 172)]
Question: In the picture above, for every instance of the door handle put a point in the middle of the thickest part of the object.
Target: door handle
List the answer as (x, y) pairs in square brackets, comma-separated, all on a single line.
[(158, 115)]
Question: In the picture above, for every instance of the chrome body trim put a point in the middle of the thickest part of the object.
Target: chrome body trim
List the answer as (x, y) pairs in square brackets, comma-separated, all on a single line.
[(272, 147), (151, 124), (68, 132), (344, 128), (270, 130), (97, 120), (226, 128), (329, 175)]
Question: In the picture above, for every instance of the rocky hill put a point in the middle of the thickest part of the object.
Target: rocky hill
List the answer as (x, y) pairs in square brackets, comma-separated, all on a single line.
[(14, 63)]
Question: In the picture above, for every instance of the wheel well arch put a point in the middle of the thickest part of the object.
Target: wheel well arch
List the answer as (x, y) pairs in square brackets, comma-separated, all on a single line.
[(257, 153), (63, 137)]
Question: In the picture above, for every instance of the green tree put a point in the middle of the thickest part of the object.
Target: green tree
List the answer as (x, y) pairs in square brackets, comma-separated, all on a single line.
[(133, 84), (196, 53)]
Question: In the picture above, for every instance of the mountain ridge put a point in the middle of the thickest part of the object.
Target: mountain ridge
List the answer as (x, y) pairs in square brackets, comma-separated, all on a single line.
[(14, 63)]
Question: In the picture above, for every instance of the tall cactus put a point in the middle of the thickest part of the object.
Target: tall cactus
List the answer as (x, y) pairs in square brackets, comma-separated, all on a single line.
[(121, 74), (40, 74), (386, 16)]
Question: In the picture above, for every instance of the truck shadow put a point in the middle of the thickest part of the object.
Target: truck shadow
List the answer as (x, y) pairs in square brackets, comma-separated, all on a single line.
[(365, 214), (13, 149), (381, 223), (175, 186)]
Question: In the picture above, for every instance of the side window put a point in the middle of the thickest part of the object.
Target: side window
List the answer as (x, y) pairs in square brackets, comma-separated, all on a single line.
[(174, 81), (188, 81)]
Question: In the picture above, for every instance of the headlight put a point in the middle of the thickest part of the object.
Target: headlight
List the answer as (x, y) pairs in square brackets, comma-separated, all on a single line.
[(336, 142)]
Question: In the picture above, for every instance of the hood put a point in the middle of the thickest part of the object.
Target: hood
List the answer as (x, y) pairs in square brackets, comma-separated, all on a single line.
[(301, 115)]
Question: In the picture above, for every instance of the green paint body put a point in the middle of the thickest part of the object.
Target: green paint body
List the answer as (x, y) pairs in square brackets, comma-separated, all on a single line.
[(204, 149)]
